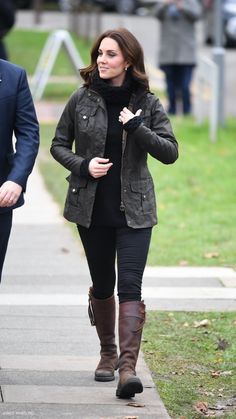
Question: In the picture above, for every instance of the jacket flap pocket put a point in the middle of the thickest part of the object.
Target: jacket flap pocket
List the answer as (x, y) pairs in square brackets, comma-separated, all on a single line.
[(77, 182), (86, 111), (141, 186)]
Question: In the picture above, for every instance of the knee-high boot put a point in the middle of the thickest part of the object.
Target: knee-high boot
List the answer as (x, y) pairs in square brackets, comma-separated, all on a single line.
[(102, 315), (131, 322)]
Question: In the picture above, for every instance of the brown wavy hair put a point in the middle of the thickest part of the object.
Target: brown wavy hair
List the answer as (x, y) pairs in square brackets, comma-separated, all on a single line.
[(131, 50)]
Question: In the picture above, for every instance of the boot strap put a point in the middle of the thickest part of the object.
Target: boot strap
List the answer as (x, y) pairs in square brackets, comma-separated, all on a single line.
[(91, 312)]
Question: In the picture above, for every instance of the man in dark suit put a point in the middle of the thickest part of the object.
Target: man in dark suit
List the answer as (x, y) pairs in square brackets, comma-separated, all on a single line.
[(17, 155), (7, 20)]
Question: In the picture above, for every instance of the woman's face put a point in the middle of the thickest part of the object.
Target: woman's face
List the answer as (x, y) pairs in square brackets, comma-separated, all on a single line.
[(111, 62)]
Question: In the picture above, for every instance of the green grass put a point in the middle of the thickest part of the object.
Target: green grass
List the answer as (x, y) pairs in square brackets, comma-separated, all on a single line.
[(183, 360), (25, 47), (196, 197)]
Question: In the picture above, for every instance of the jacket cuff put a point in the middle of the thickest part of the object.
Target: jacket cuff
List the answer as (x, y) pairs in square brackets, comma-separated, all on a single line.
[(84, 171), (133, 123)]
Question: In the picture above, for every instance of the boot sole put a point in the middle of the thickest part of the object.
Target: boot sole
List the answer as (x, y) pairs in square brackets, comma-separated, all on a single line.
[(104, 378), (129, 388)]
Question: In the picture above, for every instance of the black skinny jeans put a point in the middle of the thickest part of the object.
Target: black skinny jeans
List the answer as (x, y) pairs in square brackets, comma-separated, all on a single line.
[(102, 245)]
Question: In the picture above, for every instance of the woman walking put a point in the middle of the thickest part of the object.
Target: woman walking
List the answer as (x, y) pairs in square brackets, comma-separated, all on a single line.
[(114, 122)]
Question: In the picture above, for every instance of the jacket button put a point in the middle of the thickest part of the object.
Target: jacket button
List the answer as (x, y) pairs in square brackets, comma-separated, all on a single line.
[(84, 117), (73, 190)]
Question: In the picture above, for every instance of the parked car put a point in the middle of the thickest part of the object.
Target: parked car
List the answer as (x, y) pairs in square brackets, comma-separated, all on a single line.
[(119, 6), (228, 17), (28, 4)]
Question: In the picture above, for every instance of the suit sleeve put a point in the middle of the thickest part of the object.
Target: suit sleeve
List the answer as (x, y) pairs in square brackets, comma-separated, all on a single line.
[(26, 131)]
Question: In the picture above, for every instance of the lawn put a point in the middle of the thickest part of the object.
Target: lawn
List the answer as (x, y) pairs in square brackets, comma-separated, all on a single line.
[(192, 360), (25, 47)]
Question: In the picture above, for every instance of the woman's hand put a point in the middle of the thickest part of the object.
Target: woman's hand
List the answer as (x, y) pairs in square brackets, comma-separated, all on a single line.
[(126, 115), (99, 167)]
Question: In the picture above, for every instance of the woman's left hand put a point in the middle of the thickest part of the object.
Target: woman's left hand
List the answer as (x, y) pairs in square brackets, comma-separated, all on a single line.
[(126, 115)]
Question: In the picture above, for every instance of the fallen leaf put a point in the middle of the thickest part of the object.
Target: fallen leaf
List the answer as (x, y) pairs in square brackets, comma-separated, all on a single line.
[(211, 255), (135, 404), (215, 374), (130, 417), (201, 407), (202, 323), (183, 263), (222, 344)]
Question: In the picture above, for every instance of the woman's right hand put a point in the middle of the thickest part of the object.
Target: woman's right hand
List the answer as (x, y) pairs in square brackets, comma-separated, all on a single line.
[(99, 167)]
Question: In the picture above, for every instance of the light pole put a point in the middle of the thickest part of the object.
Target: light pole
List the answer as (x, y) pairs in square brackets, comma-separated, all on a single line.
[(38, 7), (218, 53)]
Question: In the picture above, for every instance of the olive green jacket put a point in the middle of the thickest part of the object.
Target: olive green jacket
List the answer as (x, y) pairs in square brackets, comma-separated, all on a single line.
[(81, 133)]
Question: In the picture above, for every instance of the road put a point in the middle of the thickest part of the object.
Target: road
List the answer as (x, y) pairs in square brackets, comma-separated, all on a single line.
[(146, 29)]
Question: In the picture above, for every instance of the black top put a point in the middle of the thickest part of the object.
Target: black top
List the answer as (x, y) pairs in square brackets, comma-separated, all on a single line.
[(107, 206), (106, 211)]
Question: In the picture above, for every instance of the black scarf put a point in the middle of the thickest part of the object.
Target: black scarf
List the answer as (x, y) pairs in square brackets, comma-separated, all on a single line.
[(113, 94)]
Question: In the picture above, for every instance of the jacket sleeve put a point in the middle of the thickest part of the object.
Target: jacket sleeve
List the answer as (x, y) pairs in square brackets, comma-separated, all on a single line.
[(62, 143), (159, 140), (26, 131)]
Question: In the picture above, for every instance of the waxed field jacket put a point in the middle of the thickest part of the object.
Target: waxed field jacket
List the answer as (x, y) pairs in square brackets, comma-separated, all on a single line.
[(81, 133)]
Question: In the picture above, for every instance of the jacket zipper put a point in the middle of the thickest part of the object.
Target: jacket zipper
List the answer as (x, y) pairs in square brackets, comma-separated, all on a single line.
[(124, 138)]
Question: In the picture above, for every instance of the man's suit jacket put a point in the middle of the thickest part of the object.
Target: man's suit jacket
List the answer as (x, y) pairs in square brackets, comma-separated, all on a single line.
[(18, 117)]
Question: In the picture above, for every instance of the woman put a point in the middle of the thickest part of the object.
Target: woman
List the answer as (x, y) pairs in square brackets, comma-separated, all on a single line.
[(114, 122)]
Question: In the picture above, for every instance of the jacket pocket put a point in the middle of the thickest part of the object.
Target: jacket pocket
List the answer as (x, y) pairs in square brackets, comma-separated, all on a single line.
[(76, 184), (85, 117), (142, 195)]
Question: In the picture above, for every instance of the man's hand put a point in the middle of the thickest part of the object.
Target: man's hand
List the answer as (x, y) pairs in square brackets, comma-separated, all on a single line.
[(9, 193), (126, 115), (99, 167)]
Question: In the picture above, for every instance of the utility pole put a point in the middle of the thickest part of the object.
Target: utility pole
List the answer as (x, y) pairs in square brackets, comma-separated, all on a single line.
[(218, 53)]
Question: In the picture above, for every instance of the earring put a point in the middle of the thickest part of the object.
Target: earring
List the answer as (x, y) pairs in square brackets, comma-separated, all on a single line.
[(126, 68)]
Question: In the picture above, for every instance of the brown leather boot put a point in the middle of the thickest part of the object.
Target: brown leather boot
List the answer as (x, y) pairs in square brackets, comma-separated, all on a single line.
[(131, 321), (102, 315)]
